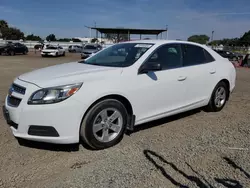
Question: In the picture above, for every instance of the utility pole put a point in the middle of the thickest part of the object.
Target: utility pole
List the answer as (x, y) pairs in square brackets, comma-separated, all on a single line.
[(96, 31), (167, 32), (212, 38)]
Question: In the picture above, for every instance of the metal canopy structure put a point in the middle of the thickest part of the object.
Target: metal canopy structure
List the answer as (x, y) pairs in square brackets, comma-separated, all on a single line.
[(128, 31)]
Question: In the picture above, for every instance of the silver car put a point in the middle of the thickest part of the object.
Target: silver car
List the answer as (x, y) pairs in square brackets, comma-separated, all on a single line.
[(75, 48), (90, 49)]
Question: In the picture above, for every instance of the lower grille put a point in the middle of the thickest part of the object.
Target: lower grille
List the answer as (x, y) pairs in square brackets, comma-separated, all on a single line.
[(36, 130), (13, 101)]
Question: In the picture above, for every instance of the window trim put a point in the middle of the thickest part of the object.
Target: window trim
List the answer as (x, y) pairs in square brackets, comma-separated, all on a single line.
[(203, 49), (146, 60)]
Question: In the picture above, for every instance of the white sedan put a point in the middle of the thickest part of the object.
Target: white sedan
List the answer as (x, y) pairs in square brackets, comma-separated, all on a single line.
[(122, 86), (53, 51)]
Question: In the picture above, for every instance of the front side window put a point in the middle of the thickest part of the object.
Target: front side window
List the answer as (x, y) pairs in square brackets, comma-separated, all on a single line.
[(193, 55), (119, 55), (169, 56)]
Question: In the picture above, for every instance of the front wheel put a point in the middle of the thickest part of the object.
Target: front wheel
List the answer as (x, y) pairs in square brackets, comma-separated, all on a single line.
[(219, 97), (104, 124), (63, 54)]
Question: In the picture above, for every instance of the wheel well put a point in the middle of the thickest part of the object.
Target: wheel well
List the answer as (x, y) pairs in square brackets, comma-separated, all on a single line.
[(228, 86), (120, 98)]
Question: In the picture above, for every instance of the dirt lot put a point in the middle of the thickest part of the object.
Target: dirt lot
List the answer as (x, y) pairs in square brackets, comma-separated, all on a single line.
[(194, 149)]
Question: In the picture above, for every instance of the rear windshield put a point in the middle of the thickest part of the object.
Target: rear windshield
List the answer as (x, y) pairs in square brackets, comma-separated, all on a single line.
[(52, 48), (90, 47)]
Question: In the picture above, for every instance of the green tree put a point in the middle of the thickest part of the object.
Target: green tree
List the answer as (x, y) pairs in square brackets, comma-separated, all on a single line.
[(245, 39), (115, 38), (51, 37), (10, 33), (33, 38), (202, 39), (76, 40), (94, 40), (64, 40), (3, 24)]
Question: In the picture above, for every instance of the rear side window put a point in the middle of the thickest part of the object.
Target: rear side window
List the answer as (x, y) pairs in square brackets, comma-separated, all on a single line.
[(208, 56), (193, 55)]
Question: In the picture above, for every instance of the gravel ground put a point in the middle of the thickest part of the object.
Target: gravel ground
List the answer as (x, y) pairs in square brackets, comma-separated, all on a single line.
[(194, 149)]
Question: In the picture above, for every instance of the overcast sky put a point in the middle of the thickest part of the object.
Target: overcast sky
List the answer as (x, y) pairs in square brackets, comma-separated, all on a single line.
[(64, 18)]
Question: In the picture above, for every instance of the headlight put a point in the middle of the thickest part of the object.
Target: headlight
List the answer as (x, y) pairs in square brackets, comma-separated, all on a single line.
[(54, 94)]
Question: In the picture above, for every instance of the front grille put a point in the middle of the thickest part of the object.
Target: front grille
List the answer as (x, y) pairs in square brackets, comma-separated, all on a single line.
[(18, 89), (13, 101)]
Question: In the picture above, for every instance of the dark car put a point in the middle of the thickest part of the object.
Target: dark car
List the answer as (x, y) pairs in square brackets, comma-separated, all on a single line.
[(13, 48), (230, 55), (90, 49)]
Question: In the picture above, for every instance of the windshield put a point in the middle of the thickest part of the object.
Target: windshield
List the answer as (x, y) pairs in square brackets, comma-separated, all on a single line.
[(51, 48), (119, 55), (90, 47)]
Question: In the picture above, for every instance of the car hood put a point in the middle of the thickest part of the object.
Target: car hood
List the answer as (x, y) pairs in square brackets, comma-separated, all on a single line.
[(67, 73)]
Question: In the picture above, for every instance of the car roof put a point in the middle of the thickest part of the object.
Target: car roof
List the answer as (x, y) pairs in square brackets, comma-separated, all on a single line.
[(160, 41)]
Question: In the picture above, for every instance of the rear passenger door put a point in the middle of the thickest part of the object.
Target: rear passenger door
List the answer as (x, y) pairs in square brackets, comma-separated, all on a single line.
[(200, 70)]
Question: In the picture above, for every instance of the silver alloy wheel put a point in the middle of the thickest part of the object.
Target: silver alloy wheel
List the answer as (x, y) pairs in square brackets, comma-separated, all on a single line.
[(220, 97), (107, 125)]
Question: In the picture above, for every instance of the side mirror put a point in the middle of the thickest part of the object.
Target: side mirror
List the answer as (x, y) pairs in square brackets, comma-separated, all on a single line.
[(150, 66)]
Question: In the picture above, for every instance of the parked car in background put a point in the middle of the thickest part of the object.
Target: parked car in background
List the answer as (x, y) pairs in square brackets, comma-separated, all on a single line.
[(53, 51), (38, 46), (230, 55), (246, 61), (75, 48), (13, 49), (119, 87), (89, 50)]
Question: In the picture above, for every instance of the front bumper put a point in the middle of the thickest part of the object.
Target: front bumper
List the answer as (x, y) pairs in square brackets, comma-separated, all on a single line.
[(54, 123), (84, 56)]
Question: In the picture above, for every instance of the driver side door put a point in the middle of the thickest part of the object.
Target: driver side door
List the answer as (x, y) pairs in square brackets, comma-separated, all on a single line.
[(161, 92)]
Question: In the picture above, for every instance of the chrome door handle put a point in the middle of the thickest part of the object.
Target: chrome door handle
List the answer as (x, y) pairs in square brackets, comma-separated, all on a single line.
[(212, 72), (182, 78)]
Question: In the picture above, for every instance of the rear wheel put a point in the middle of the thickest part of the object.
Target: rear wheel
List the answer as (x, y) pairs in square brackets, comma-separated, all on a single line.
[(11, 53), (219, 97), (104, 124)]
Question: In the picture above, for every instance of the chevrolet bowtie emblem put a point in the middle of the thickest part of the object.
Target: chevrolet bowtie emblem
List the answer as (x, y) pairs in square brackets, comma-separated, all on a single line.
[(11, 91)]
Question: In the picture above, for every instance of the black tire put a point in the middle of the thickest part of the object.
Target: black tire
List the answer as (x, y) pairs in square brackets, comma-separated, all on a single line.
[(212, 107), (56, 54), (86, 130), (12, 53), (63, 54), (25, 52)]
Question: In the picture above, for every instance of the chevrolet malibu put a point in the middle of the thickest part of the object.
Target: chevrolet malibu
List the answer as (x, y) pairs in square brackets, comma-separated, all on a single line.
[(97, 99)]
